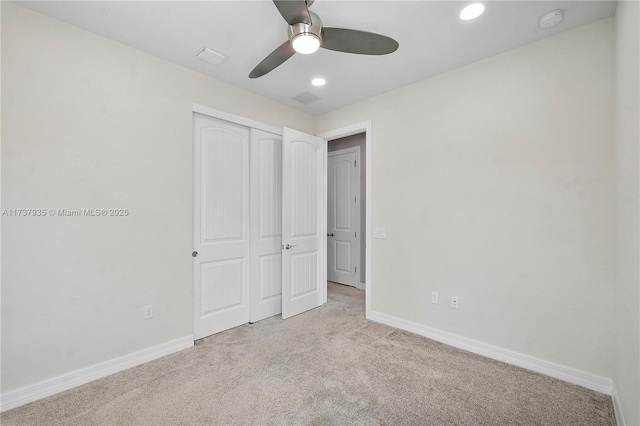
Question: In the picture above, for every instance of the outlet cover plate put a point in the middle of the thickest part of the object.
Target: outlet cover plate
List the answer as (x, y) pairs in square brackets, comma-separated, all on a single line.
[(454, 302)]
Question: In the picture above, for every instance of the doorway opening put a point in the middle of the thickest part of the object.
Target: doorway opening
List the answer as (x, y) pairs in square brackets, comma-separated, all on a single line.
[(334, 138)]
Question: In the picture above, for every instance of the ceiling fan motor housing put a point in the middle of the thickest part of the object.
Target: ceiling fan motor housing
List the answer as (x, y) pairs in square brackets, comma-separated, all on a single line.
[(302, 29)]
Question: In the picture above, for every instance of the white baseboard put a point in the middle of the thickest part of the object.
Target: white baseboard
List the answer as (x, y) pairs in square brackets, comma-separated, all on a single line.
[(361, 286), (568, 374), (617, 408), (79, 377)]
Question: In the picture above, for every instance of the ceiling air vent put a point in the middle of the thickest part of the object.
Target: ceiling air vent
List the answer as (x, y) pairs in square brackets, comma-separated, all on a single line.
[(211, 56), (306, 98)]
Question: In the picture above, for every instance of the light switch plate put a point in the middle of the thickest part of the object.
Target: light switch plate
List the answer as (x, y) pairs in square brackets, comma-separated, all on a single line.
[(379, 232)]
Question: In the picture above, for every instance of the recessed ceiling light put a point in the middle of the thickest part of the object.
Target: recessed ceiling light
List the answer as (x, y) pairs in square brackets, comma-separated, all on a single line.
[(472, 11), (319, 81)]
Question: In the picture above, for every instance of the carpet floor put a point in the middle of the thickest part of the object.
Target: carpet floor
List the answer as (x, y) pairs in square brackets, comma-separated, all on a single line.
[(328, 366)]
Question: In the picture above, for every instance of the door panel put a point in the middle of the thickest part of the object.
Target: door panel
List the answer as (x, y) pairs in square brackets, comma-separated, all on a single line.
[(266, 218), (221, 225), (221, 284), (343, 256), (303, 222), (343, 249)]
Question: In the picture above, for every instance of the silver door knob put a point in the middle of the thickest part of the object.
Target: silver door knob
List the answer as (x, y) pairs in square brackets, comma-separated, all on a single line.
[(331, 234), (289, 246), (194, 254)]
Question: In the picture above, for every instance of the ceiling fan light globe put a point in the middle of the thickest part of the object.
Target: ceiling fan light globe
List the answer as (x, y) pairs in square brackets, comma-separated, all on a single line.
[(305, 43)]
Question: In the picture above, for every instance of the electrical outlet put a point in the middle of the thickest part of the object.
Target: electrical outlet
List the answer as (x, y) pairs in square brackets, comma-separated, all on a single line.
[(454, 302), (148, 311), (434, 298)]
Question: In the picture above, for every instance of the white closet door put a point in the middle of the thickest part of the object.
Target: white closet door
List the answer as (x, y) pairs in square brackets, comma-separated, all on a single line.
[(303, 222), (221, 225), (266, 224)]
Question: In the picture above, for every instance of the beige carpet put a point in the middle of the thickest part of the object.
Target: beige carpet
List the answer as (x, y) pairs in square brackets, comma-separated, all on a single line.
[(329, 366)]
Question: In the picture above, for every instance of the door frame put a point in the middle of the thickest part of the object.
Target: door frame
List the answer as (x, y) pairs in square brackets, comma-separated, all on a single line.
[(236, 119), (362, 127), (212, 112), (358, 221)]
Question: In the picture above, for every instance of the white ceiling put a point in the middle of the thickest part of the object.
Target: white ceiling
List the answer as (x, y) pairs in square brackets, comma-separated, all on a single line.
[(432, 39)]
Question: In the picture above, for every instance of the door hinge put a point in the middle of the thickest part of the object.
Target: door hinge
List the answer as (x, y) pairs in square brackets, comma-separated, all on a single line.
[(355, 163), (355, 198), (355, 269), (356, 234)]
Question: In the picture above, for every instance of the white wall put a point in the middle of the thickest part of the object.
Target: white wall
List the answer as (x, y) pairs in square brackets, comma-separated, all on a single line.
[(88, 123), (627, 289), (495, 184), (494, 181)]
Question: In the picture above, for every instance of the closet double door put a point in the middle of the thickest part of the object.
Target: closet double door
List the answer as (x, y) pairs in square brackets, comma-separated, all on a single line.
[(258, 224)]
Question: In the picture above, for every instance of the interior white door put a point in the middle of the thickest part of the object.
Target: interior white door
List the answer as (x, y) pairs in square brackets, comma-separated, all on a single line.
[(343, 244), (266, 224), (303, 222), (220, 225)]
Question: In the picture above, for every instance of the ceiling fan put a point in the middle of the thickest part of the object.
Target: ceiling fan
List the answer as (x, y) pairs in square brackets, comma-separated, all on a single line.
[(306, 35)]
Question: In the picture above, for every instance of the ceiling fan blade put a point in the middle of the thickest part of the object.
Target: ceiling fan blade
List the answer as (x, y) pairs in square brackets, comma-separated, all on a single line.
[(293, 11), (273, 60), (360, 42)]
